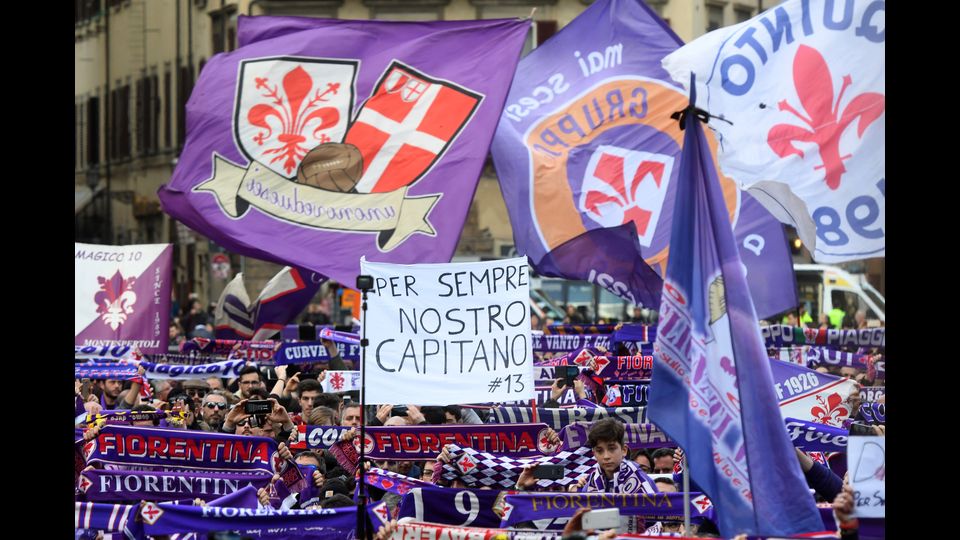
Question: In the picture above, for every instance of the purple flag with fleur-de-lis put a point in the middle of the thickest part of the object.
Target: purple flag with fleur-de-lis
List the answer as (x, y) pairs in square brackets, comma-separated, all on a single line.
[(122, 296), (802, 89), (587, 157), (314, 144)]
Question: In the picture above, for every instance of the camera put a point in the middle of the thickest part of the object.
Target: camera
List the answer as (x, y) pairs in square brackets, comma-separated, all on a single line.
[(364, 283)]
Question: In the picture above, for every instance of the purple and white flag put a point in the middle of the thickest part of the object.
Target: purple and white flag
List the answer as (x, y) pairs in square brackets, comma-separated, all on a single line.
[(105, 353), (177, 449), (801, 87), (313, 148), (651, 506), (809, 395), (104, 485), (814, 437), (225, 369), (558, 418), (567, 342), (341, 381), (280, 301), (450, 506), (782, 335), (312, 352), (350, 338), (587, 156), (115, 371), (482, 469), (122, 295), (264, 522), (711, 389)]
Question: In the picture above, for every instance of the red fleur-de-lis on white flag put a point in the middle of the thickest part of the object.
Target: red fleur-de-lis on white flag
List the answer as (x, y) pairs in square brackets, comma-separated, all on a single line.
[(814, 84)]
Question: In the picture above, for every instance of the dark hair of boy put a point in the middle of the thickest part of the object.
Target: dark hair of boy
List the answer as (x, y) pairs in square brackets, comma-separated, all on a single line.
[(606, 430)]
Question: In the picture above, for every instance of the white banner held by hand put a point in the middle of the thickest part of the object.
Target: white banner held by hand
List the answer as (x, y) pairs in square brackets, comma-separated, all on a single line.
[(449, 333)]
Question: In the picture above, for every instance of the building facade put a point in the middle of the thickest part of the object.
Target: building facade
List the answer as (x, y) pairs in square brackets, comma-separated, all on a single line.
[(136, 62)]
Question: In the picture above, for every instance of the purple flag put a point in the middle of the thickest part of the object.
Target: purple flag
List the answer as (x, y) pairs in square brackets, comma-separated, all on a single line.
[(122, 295), (280, 301), (103, 485), (587, 157), (712, 390), (313, 145)]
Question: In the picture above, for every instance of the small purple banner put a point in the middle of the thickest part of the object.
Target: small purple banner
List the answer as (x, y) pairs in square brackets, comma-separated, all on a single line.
[(782, 335), (567, 342), (122, 295), (637, 435)]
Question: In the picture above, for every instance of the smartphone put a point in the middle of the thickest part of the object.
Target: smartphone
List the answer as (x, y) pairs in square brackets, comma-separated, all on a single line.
[(601, 519), (398, 411), (549, 472), (256, 407), (861, 429), (568, 374)]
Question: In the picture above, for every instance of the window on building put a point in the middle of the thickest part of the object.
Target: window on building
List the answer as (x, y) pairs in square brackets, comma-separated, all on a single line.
[(656, 5), (741, 13), (539, 32), (404, 10), (93, 131), (714, 17), (167, 100), (223, 29), (148, 107), (120, 123), (185, 87), (78, 136)]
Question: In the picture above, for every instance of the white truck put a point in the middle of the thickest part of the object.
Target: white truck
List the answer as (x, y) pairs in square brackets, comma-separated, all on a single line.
[(821, 288)]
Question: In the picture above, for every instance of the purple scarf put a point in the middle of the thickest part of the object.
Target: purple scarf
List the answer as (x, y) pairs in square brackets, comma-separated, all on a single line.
[(628, 479), (114, 371), (328, 523), (102, 485), (652, 506), (164, 449)]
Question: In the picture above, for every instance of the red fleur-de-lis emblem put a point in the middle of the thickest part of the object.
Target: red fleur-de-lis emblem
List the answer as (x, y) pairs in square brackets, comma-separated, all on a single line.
[(297, 113), (703, 503), (151, 513), (88, 448), (830, 411), (466, 464), (84, 484), (382, 512), (625, 186), (825, 123), (337, 381)]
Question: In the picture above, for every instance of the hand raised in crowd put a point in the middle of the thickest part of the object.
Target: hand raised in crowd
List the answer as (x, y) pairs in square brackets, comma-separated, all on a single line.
[(386, 530), (552, 437), (383, 412), (235, 415), (263, 496), (414, 416), (444, 455), (578, 485), (348, 435), (556, 390), (284, 452), (92, 407), (526, 480), (880, 430), (279, 416), (575, 524), (318, 479), (322, 376), (608, 534), (579, 389), (93, 431), (843, 506), (331, 347)]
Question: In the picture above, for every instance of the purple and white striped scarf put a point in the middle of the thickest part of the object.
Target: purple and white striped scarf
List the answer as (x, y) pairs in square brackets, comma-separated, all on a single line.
[(481, 469), (629, 479)]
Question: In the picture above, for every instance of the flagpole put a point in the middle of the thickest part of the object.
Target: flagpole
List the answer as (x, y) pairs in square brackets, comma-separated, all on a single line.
[(364, 283), (686, 496)]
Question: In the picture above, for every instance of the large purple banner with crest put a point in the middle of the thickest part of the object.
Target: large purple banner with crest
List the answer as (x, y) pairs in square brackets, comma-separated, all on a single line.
[(122, 295), (314, 145), (587, 156)]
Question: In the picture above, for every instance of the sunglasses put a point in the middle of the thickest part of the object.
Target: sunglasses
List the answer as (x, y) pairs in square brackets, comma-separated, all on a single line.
[(212, 406), (194, 392)]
